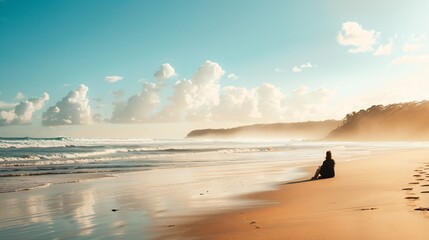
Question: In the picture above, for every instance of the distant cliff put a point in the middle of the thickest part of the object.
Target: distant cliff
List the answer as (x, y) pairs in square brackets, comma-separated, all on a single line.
[(402, 121), (300, 130)]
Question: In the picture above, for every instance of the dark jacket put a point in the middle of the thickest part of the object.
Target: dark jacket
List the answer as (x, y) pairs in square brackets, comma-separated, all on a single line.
[(327, 169)]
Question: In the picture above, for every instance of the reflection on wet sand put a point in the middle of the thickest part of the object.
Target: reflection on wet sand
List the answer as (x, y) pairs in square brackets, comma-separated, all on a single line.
[(142, 201), (83, 215)]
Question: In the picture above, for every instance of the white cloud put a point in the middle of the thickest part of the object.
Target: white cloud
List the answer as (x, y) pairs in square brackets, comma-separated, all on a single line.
[(263, 103), (302, 67), (232, 76), (385, 49), (236, 104), (6, 105), (165, 72), (270, 100), (20, 96), (307, 65), (73, 109), (113, 79), (354, 35), (296, 69), (201, 99), (139, 107), (193, 99), (411, 59), (22, 113)]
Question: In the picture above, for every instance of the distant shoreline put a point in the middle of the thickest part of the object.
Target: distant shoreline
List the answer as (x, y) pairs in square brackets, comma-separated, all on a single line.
[(297, 130)]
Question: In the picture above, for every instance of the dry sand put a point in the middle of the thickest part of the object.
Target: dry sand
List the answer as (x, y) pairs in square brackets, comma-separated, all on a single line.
[(366, 200)]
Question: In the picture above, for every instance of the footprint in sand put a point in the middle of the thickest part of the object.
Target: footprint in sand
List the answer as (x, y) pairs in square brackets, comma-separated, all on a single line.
[(417, 175), (425, 185), (425, 192), (422, 209), (368, 209), (420, 179), (408, 188), (253, 223), (412, 198), (413, 183)]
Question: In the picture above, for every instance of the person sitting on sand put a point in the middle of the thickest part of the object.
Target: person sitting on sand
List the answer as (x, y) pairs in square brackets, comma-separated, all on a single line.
[(327, 168)]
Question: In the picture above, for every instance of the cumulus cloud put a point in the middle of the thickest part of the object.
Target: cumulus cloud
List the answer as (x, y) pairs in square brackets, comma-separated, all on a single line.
[(141, 107), (307, 65), (267, 103), (236, 104), (411, 59), (263, 103), (270, 100), (385, 49), (73, 109), (6, 105), (201, 99), (302, 67), (360, 39), (233, 76), (113, 79), (165, 72), (20, 96), (138, 108), (193, 99), (22, 113), (296, 69)]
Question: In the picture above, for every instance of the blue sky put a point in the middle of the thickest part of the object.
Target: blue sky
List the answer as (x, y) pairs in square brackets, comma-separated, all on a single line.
[(55, 46)]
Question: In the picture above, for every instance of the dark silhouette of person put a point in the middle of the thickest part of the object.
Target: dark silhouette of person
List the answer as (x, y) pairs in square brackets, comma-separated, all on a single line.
[(327, 168)]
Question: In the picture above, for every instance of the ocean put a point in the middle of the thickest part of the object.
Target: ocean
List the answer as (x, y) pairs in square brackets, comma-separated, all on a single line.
[(71, 184)]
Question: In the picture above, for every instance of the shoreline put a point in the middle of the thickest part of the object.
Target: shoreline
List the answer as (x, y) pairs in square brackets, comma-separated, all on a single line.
[(133, 204), (194, 202), (368, 199)]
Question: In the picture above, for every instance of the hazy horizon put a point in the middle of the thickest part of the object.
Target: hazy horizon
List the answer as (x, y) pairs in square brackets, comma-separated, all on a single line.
[(159, 69)]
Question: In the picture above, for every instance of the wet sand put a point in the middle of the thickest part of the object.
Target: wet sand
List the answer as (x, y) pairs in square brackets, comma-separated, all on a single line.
[(130, 205), (380, 197)]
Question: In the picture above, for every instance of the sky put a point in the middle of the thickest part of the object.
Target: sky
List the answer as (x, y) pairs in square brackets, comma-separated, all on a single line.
[(158, 69)]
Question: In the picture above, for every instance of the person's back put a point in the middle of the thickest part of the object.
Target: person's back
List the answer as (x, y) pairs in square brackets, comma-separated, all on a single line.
[(327, 169)]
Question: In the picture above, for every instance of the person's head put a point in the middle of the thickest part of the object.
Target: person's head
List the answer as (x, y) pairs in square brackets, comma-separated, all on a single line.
[(328, 155)]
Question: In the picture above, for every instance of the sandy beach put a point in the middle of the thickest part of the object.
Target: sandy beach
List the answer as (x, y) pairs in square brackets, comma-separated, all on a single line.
[(373, 198)]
